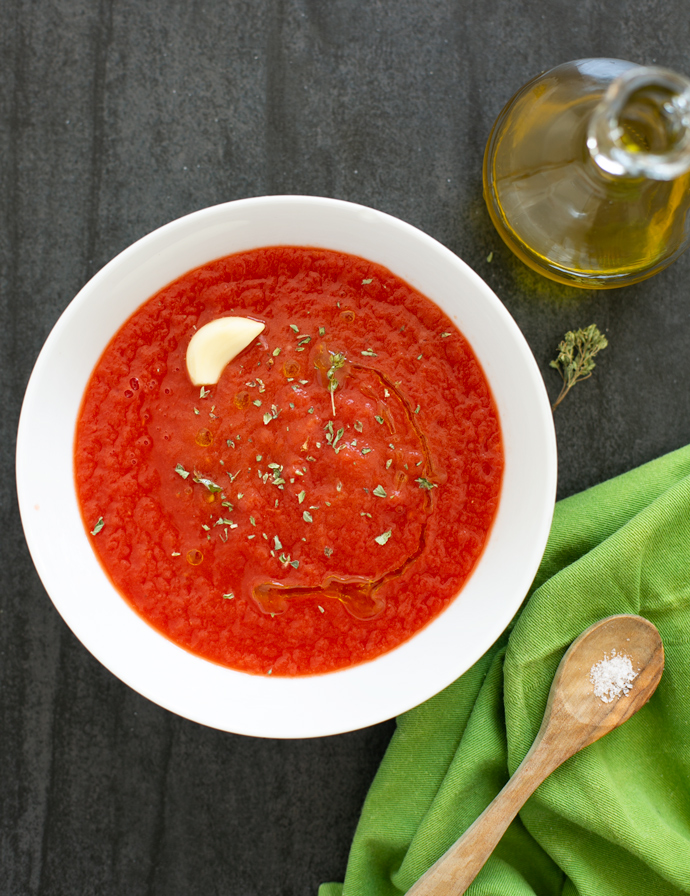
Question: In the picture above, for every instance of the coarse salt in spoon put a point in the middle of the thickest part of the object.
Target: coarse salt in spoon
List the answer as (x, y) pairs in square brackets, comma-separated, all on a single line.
[(605, 676)]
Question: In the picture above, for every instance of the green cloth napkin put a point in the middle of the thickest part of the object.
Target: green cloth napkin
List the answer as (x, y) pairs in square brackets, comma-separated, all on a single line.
[(614, 820)]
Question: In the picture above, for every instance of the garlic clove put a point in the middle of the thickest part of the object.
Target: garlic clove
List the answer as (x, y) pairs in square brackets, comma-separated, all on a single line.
[(213, 346)]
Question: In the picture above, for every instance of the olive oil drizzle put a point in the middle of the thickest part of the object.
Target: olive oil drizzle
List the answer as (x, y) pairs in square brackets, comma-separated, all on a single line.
[(360, 596)]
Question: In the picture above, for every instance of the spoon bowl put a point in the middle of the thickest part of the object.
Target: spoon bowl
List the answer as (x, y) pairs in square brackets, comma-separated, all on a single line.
[(625, 654), (572, 699)]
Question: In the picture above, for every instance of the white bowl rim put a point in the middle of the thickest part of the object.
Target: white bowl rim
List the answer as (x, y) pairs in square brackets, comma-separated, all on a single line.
[(223, 698)]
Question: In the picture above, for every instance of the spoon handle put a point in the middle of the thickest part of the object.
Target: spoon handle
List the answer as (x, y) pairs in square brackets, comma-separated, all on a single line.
[(452, 874)]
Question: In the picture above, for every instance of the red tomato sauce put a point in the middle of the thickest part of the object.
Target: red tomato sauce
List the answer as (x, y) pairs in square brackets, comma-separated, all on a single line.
[(270, 523)]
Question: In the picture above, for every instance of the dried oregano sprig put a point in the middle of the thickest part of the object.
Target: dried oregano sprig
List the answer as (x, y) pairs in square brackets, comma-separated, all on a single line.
[(575, 359)]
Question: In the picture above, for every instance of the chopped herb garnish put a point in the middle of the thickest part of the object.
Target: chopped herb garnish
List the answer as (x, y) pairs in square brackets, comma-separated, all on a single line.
[(204, 392), (337, 361), (322, 331), (181, 470), (294, 328), (369, 353), (276, 352), (99, 525), (367, 282), (207, 483), (268, 417), (276, 543), (366, 450), (424, 483), (307, 517), (321, 608), (229, 596), (382, 539), (378, 419), (416, 410), (358, 426), (294, 564), (380, 492), (197, 411), (257, 402), (445, 335), (328, 551), (302, 495)]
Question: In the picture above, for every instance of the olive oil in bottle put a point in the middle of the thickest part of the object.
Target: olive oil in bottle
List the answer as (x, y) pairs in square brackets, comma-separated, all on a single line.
[(587, 172)]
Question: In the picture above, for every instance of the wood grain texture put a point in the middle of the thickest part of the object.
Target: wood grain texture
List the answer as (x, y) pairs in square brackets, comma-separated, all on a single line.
[(575, 717), (117, 116)]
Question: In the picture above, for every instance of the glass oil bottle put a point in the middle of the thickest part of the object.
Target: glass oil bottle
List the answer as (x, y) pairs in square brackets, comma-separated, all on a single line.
[(587, 172)]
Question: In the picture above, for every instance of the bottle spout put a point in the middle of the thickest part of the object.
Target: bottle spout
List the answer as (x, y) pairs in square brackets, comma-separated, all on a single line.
[(641, 126)]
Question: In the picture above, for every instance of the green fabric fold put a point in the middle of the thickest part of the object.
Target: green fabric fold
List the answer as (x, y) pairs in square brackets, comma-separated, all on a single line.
[(614, 820)]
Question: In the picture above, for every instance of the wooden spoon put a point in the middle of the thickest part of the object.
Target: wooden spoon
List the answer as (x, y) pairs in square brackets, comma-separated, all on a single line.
[(574, 718)]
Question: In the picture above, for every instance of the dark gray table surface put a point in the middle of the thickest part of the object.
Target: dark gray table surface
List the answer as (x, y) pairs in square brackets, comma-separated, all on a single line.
[(117, 116)]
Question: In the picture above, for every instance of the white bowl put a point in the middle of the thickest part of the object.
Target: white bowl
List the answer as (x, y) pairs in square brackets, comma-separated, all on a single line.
[(169, 675)]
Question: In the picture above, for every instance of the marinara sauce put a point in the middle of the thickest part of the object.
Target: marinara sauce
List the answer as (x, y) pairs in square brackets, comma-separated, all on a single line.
[(321, 503)]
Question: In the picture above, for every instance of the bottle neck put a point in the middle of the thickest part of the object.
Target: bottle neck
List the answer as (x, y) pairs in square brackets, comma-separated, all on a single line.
[(641, 126)]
